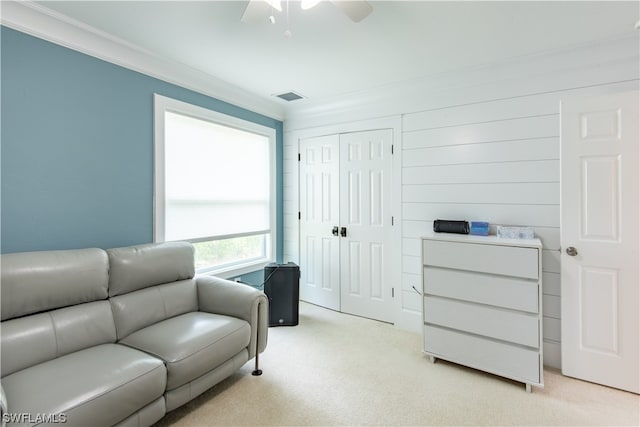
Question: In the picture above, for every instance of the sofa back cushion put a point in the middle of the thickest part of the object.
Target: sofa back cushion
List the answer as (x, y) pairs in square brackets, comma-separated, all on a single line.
[(33, 282), (137, 310), (150, 283), (138, 267), (29, 340)]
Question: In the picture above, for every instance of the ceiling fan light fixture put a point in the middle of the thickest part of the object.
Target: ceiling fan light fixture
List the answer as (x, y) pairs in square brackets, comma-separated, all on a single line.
[(308, 4), (276, 4)]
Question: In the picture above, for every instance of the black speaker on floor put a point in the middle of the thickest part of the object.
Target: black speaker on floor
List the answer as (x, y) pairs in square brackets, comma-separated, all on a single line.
[(282, 287)]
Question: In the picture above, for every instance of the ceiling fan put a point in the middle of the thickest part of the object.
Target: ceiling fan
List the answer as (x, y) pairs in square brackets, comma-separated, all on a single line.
[(261, 10)]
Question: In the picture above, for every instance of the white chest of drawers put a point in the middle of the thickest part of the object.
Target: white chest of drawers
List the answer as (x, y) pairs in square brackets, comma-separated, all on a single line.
[(482, 304)]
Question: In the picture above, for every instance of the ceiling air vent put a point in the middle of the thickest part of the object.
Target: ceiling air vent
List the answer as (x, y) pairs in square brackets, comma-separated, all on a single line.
[(290, 96)]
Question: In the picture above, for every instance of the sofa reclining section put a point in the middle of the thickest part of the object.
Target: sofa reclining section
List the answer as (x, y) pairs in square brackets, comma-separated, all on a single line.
[(119, 337)]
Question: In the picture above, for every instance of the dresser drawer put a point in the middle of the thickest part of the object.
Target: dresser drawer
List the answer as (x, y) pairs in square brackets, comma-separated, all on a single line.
[(501, 291), (491, 356), (495, 259), (506, 325)]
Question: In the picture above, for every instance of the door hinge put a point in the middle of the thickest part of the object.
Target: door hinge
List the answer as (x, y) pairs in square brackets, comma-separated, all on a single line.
[(391, 149), (392, 221), (299, 157), (393, 293), (299, 215)]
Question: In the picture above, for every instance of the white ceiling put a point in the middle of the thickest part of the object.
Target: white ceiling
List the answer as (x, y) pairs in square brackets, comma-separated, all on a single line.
[(330, 56)]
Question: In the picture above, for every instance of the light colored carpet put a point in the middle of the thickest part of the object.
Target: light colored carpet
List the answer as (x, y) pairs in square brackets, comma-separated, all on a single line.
[(336, 369)]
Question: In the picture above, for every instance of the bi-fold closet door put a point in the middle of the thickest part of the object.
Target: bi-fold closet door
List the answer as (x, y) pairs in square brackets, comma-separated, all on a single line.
[(345, 222)]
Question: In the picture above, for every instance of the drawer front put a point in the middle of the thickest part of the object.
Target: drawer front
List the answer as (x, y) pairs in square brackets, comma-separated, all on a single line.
[(508, 292), (506, 325), (498, 358), (495, 259)]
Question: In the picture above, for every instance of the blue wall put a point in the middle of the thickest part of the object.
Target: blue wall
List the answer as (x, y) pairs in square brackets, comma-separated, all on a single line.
[(77, 148)]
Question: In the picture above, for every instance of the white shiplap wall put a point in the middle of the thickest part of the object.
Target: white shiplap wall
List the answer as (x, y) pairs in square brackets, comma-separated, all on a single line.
[(495, 161), (290, 200), (485, 149)]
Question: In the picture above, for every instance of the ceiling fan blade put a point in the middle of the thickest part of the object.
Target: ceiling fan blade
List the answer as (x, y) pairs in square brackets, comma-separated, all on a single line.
[(256, 11), (357, 10)]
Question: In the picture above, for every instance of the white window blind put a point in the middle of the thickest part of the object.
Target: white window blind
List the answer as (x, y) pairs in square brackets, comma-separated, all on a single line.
[(217, 180), (214, 186)]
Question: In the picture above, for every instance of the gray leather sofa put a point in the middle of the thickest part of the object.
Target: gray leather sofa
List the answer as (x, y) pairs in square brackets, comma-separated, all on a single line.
[(119, 337)]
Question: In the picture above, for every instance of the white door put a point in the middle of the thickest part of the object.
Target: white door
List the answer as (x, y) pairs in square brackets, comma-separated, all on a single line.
[(365, 221), (600, 240), (319, 217), (345, 222)]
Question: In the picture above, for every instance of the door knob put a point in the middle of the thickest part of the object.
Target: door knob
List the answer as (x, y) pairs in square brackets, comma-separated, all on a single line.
[(343, 231), (334, 231), (571, 251)]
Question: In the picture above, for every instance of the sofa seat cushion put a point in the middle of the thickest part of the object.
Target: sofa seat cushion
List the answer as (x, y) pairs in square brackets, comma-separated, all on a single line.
[(192, 344), (101, 385)]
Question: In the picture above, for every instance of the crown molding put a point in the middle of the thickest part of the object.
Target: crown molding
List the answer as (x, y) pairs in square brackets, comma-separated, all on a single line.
[(33, 19)]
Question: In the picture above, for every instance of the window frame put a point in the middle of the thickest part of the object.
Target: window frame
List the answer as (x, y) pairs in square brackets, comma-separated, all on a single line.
[(164, 104)]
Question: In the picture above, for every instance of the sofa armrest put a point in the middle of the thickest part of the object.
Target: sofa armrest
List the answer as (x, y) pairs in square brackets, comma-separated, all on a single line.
[(220, 296), (3, 406)]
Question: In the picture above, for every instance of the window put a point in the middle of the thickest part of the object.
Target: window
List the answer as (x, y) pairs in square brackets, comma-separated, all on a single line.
[(214, 186)]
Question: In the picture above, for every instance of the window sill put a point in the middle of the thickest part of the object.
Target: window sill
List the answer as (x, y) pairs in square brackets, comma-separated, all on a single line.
[(236, 270)]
